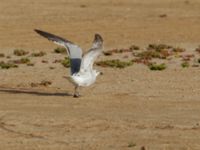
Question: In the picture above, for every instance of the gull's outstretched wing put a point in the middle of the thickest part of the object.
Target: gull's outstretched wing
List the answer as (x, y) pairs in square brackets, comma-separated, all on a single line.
[(73, 50), (93, 53)]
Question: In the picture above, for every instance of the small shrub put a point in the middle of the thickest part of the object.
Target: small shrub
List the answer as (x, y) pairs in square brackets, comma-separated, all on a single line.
[(131, 144), (42, 83), (7, 65), (158, 47), (148, 54), (134, 47), (20, 52), (38, 54), (163, 15), (24, 60), (124, 50), (45, 83), (2, 55), (178, 50), (21, 61), (30, 64), (185, 64), (44, 61), (108, 53), (141, 61), (51, 67), (157, 66), (116, 63), (83, 6), (60, 50), (197, 49), (66, 62)]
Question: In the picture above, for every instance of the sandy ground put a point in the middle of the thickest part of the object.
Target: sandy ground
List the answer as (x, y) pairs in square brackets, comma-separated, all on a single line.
[(127, 108)]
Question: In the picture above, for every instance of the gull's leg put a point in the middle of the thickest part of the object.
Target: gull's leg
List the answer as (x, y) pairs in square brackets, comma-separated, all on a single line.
[(76, 93)]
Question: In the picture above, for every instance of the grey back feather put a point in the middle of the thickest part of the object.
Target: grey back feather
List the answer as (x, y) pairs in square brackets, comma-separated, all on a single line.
[(73, 50)]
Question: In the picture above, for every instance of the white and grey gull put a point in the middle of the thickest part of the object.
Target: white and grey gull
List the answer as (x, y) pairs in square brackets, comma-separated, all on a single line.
[(81, 67)]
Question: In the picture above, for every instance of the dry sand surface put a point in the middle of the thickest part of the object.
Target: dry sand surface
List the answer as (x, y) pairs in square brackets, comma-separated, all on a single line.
[(131, 108)]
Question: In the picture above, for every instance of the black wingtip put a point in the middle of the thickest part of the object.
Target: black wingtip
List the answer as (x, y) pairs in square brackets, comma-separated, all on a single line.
[(51, 36), (36, 30), (39, 31)]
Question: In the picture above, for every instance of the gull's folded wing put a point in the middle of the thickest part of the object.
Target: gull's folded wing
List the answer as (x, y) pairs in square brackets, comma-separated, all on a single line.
[(93, 53), (73, 50)]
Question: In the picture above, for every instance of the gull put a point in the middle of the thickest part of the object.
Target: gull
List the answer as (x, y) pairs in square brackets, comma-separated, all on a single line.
[(81, 67)]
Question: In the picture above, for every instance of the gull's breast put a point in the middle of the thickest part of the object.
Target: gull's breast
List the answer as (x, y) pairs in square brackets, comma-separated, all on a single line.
[(83, 79)]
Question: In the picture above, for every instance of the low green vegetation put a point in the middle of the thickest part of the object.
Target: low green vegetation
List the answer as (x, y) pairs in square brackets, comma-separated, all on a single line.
[(24, 60), (152, 52), (60, 50), (38, 54), (134, 47), (30, 64), (178, 50), (198, 49), (158, 47), (185, 64), (115, 63), (7, 65), (20, 52), (42, 83), (122, 50), (148, 54), (2, 55), (158, 67), (131, 144), (198, 60), (108, 53), (66, 62), (45, 83)]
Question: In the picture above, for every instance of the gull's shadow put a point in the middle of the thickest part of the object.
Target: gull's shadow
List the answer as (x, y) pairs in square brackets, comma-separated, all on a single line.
[(33, 92)]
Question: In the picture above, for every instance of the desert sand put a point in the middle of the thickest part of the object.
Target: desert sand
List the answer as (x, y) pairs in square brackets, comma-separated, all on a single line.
[(131, 108)]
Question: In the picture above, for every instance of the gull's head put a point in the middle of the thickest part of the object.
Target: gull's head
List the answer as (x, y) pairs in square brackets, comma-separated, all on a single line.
[(98, 41)]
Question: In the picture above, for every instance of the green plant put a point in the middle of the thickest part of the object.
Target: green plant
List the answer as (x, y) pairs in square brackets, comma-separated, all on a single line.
[(185, 64), (178, 50), (30, 64), (198, 60), (21, 61), (149, 54), (20, 52), (42, 83), (38, 54), (24, 60), (66, 62), (131, 144), (60, 50), (157, 66), (198, 49), (108, 53), (2, 55), (115, 63), (45, 83), (134, 47), (158, 47), (7, 65)]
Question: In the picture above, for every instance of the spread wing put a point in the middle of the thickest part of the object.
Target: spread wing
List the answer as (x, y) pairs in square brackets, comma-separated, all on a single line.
[(73, 50), (93, 53)]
